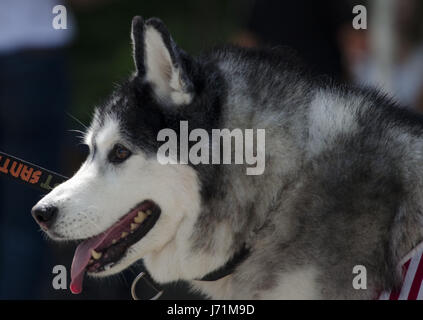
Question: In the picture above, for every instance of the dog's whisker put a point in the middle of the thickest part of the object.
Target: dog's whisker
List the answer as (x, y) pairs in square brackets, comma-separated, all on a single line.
[(77, 120), (77, 131)]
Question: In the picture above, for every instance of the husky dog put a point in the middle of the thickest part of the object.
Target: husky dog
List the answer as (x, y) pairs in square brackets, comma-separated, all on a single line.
[(342, 185)]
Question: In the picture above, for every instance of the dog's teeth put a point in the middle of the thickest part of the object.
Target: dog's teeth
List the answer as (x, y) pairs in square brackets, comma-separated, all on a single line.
[(91, 261), (134, 226), (140, 217), (114, 241), (124, 234), (148, 212), (108, 266), (96, 255)]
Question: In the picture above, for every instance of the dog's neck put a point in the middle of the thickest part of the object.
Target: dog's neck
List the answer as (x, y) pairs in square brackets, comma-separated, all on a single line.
[(229, 267), (179, 260)]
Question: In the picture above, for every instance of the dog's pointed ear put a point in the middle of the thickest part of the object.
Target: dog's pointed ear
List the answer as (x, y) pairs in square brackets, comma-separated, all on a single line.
[(161, 62)]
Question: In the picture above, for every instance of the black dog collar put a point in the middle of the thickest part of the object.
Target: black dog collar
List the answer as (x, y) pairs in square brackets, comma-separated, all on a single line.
[(228, 267)]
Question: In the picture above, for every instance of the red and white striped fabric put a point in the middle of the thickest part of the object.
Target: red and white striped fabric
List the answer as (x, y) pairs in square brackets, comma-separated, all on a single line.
[(412, 285)]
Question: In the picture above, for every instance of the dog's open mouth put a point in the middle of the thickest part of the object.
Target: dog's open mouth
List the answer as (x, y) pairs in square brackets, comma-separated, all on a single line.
[(102, 251)]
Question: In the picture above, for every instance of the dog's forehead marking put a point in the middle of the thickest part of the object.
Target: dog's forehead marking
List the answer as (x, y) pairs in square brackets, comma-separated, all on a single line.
[(107, 134), (102, 134)]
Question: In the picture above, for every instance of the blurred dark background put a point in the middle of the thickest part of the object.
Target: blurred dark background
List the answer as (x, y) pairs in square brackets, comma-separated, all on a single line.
[(51, 80)]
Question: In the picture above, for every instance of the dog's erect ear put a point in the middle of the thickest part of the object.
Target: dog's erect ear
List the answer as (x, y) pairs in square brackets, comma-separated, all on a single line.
[(161, 62)]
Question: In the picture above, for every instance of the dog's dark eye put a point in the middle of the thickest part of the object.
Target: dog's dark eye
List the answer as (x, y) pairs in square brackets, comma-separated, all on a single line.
[(119, 154)]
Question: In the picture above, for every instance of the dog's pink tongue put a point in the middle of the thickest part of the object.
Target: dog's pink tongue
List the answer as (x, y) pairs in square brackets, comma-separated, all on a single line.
[(80, 261)]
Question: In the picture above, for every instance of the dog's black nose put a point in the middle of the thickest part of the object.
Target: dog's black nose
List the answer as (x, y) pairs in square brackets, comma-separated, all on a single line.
[(44, 215)]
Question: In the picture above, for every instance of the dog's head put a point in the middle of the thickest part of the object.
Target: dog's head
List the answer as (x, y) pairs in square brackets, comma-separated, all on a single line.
[(123, 203)]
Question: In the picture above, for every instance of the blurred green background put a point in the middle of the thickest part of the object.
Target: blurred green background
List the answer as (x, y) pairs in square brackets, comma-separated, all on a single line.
[(101, 51)]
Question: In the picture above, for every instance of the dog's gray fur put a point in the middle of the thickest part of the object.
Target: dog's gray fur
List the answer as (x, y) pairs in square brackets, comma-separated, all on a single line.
[(342, 184), (339, 190)]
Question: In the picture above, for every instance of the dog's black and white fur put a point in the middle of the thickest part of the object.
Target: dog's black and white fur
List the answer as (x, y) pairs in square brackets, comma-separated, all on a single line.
[(342, 185)]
